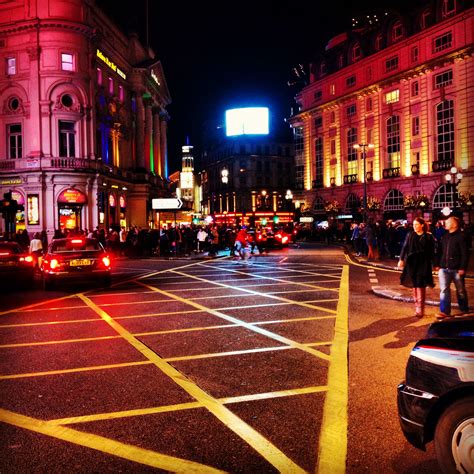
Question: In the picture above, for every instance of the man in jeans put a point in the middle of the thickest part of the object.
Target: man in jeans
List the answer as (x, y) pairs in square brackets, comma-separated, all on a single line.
[(452, 261)]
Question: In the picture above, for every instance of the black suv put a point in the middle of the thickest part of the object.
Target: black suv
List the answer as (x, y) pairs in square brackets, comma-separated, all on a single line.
[(436, 401)]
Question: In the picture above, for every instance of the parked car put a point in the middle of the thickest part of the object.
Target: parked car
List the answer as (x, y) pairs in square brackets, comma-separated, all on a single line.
[(436, 400), (16, 265), (75, 259)]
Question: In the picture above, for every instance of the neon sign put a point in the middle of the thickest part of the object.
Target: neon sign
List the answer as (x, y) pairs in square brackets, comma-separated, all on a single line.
[(111, 64)]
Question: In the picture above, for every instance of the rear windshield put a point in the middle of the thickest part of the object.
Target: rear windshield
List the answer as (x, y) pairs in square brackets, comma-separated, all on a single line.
[(10, 248), (73, 245)]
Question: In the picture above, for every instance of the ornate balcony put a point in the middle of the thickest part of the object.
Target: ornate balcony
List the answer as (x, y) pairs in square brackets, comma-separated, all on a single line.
[(350, 179), (389, 173), (443, 165)]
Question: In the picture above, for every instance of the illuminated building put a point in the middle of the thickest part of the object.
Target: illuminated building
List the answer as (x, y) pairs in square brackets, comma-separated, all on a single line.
[(83, 120), (404, 84)]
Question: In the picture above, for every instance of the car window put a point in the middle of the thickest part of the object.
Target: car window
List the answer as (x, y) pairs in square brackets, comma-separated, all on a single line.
[(11, 249), (74, 245)]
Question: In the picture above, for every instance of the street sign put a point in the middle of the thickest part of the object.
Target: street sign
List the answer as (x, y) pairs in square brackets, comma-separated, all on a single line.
[(307, 219), (166, 203)]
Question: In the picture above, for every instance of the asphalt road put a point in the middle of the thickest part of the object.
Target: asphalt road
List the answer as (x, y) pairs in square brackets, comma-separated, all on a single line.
[(290, 364)]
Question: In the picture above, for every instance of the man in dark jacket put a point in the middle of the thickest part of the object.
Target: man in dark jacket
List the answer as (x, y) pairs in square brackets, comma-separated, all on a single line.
[(452, 261)]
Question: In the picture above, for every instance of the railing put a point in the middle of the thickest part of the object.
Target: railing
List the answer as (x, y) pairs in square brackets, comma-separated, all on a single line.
[(415, 169), (391, 173), (350, 179), (443, 165)]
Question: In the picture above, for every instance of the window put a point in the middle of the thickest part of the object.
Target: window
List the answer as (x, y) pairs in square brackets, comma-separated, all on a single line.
[(444, 79), (333, 147), (449, 8), (414, 54), (356, 52), (111, 85), (425, 19), (378, 42), (340, 61), (397, 31), (391, 64), (351, 81), (332, 117), (322, 69), (445, 131), (415, 126), (351, 110), (442, 42), (67, 62), (393, 201), (318, 122), (332, 89), (370, 134), (319, 160), (14, 104), (392, 96), (318, 95), (121, 93), (11, 66), (99, 76), (351, 141), (443, 197), (368, 73), (415, 88), (368, 104), (66, 139), (393, 141), (15, 141)]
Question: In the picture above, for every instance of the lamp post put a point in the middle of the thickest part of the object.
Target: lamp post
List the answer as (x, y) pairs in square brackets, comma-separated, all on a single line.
[(454, 177), (363, 147)]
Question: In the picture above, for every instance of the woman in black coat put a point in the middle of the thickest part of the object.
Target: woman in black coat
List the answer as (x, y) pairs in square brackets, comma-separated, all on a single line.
[(416, 260)]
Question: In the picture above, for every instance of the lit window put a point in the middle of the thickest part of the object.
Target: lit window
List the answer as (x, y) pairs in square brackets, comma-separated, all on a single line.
[(392, 96), (99, 76), (444, 79), (66, 139), (67, 62), (15, 141), (111, 85), (415, 88), (121, 93), (445, 131), (415, 126), (11, 66), (442, 42), (393, 142), (391, 64)]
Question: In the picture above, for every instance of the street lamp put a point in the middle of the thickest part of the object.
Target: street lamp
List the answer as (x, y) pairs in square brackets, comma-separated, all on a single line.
[(363, 147), (225, 175), (454, 177), (289, 198)]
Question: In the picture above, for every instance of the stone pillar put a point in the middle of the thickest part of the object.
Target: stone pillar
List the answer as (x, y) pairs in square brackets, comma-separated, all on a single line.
[(164, 146), (140, 126), (148, 137), (35, 132), (157, 143)]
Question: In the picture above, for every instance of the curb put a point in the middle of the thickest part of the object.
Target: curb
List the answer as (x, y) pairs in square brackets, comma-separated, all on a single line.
[(384, 292)]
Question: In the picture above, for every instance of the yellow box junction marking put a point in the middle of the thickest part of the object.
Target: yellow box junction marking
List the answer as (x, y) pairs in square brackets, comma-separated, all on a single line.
[(263, 446), (106, 445), (333, 436)]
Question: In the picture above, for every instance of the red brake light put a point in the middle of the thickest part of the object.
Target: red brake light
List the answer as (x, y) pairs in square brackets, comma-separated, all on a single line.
[(28, 258), (77, 241), (284, 240), (53, 264), (106, 261), (3, 254)]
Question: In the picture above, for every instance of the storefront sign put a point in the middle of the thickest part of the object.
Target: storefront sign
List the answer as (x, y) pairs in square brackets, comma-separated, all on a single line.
[(111, 64), (33, 209), (306, 219), (13, 180), (72, 196)]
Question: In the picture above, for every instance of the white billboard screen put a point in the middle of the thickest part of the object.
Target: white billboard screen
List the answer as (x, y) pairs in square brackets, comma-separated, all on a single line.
[(247, 121)]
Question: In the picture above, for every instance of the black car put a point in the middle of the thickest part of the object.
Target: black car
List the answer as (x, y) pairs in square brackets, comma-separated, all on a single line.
[(16, 265), (75, 259), (436, 401)]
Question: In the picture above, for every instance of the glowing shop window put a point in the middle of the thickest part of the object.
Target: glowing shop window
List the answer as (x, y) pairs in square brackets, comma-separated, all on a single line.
[(392, 97), (67, 62)]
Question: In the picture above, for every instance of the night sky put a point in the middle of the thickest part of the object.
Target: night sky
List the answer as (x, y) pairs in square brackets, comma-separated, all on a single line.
[(234, 53)]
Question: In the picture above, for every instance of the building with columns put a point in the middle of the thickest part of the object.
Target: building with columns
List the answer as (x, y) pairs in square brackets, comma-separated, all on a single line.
[(402, 87), (83, 119)]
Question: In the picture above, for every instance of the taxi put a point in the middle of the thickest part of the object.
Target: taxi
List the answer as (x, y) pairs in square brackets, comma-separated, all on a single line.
[(15, 264), (75, 259)]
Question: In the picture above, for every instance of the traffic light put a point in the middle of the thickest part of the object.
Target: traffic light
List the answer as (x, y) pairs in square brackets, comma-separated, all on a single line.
[(276, 219)]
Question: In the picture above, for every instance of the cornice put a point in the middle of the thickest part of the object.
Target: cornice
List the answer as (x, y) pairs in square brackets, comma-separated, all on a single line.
[(25, 26)]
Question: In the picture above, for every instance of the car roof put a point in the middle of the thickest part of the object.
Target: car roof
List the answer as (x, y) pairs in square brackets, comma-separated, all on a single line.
[(6, 244)]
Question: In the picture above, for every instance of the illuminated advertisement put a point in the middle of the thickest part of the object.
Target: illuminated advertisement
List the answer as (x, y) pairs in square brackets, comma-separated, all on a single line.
[(33, 209), (110, 64), (72, 196), (247, 121)]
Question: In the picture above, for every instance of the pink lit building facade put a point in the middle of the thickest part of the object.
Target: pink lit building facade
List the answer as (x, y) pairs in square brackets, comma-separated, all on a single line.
[(406, 86), (83, 120)]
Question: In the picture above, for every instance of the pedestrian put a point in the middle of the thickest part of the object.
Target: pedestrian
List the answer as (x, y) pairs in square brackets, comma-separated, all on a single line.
[(36, 249), (451, 263), (416, 260)]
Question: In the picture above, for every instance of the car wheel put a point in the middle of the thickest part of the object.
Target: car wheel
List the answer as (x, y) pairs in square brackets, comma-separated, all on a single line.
[(454, 437)]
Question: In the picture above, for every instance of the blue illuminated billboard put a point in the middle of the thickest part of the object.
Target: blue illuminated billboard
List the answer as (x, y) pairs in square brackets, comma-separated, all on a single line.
[(247, 121)]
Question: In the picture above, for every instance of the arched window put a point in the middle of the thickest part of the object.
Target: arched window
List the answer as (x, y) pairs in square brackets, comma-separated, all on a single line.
[(444, 197), (352, 203), (322, 69), (378, 42), (448, 8), (425, 19), (393, 142), (393, 201), (397, 31), (445, 133), (318, 205), (356, 52)]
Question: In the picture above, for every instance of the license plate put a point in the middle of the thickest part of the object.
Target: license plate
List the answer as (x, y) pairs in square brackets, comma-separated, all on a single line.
[(81, 262)]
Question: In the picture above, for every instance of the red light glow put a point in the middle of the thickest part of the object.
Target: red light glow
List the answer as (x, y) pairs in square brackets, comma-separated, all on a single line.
[(77, 241), (106, 261), (53, 264)]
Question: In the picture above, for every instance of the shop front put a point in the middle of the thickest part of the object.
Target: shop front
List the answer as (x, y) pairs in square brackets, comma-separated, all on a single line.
[(70, 206)]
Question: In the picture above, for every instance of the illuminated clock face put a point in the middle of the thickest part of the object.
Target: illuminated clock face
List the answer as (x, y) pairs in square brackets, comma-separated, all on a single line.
[(186, 178)]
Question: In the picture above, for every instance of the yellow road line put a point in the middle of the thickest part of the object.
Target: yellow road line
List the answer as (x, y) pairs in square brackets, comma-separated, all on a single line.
[(106, 445), (185, 406), (258, 442), (333, 435), (35, 305)]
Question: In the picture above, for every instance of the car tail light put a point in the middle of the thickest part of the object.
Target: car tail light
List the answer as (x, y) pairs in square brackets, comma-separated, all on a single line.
[(54, 263), (278, 236), (106, 261), (77, 241), (29, 259), (284, 240), (4, 254)]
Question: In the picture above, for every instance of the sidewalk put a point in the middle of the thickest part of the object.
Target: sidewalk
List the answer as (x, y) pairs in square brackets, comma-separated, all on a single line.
[(399, 292)]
